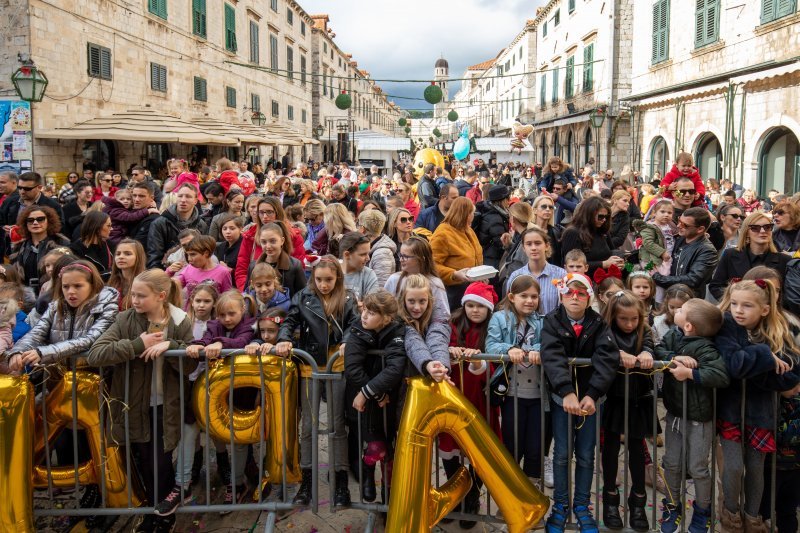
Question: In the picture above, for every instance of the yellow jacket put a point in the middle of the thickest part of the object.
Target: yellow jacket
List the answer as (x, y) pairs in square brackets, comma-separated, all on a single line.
[(453, 250)]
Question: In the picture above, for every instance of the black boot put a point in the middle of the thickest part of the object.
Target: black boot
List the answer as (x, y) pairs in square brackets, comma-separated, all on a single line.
[(341, 495), (638, 517), (303, 496), (223, 469), (368, 490), (472, 503), (197, 465), (611, 517), (450, 467)]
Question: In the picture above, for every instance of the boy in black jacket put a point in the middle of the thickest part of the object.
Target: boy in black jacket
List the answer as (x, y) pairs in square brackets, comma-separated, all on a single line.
[(575, 330), (376, 380), (695, 359)]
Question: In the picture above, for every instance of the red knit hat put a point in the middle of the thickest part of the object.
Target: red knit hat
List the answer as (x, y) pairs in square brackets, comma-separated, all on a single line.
[(481, 293)]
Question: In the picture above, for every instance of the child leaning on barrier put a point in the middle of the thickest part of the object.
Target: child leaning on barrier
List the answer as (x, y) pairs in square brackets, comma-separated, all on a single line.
[(761, 358), (230, 330), (696, 365), (373, 381), (630, 394), (323, 312), (135, 344), (575, 330), (516, 329)]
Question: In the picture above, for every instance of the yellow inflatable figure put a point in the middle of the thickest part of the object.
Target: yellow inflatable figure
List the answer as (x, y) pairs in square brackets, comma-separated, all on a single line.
[(425, 156)]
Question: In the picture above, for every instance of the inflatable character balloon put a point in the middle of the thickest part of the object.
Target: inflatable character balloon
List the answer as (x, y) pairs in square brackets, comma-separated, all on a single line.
[(461, 147), (521, 134), (425, 156)]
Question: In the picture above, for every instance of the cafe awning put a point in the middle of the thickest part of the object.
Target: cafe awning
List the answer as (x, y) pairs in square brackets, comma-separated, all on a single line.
[(145, 125), (237, 131), (285, 132)]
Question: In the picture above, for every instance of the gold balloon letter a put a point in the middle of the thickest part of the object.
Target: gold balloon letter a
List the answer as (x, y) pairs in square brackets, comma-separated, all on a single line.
[(280, 429), (415, 506), (59, 415), (16, 459)]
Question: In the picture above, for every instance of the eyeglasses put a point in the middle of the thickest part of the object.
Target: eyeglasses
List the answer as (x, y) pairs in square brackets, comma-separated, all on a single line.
[(736, 216), (601, 217), (685, 192), (27, 189), (405, 220), (580, 294), (779, 212), (107, 180), (266, 212), (547, 207), (684, 225), (404, 257), (38, 220), (758, 228)]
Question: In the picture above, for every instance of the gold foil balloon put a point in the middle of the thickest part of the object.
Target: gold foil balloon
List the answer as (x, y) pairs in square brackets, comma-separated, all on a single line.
[(425, 156), (16, 459), (280, 429), (432, 408), (59, 416)]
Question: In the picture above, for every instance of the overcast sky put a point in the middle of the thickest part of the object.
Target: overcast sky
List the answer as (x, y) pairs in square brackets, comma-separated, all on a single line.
[(402, 39)]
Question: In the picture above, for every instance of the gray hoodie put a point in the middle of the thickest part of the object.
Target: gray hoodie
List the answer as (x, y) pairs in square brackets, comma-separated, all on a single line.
[(382, 258)]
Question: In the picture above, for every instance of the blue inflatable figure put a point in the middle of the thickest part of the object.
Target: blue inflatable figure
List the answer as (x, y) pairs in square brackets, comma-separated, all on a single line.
[(461, 147)]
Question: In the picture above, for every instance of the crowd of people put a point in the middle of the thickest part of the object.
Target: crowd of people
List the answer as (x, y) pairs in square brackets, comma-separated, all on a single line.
[(541, 263)]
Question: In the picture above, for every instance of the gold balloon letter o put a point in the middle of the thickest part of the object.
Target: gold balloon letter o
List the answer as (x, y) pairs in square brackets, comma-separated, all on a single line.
[(16, 459)]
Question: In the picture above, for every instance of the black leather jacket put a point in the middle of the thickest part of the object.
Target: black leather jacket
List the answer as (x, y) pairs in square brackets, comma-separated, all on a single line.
[(693, 264)]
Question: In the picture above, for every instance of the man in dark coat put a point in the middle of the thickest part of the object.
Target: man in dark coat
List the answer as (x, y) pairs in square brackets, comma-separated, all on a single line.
[(164, 230)]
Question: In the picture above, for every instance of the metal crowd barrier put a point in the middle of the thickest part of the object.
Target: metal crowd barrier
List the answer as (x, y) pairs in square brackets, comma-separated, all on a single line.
[(128, 504)]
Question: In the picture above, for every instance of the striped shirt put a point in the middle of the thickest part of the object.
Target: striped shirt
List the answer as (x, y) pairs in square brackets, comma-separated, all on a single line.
[(548, 297)]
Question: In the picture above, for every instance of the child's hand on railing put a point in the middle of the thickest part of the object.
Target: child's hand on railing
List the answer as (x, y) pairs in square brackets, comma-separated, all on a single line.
[(685, 360), (360, 402), (213, 350), (517, 355), (587, 406), (193, 351), (645, 360), (155, 351), (627, 360), (680, 371), (437, 371), (534, 357), (251, 349), (283, 349), (266, 348)]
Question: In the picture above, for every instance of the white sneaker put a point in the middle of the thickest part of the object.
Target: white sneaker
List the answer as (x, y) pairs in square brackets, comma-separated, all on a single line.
[(548, 472)]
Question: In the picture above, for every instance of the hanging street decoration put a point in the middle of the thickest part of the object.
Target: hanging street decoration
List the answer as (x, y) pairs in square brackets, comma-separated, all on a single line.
[(344, 101), (433, 93), (452, 116), (401, 122)]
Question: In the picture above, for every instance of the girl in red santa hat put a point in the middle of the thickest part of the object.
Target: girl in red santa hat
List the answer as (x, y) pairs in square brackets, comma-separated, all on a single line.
[(469, 325)]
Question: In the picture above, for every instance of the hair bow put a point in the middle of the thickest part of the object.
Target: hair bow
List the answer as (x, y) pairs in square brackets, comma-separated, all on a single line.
[(735, 280), (613, 272), (761, 283)]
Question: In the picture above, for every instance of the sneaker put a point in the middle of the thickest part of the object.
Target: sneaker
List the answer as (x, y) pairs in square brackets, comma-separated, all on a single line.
[(548, 472), (701, 519), (670, 517), (557, 520), (586, 522), (164, 524), (169, 504), (240, 495)]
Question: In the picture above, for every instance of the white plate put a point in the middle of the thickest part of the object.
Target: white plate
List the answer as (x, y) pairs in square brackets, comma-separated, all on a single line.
[(480, 273)]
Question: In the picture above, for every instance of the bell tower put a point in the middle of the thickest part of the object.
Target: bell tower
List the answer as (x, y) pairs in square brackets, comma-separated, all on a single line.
[(441, 75)]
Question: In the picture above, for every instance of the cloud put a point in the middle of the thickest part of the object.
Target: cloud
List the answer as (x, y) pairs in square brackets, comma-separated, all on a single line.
[(402, 39)]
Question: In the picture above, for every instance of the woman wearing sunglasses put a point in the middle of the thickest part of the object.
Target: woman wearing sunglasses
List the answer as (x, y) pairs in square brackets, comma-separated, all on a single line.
[(730, 218), (755, 248), (786, 235), (39, 227), (544, 214), (589, 232)]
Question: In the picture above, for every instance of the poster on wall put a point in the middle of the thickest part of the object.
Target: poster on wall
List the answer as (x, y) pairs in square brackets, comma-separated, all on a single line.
[(16, 139)]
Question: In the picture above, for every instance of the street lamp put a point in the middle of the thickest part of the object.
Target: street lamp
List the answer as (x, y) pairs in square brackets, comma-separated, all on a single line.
[(29, 82), (258, 118), (319, 131), (597, 117)]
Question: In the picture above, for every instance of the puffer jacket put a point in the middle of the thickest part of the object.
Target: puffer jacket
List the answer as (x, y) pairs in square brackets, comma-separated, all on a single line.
[(373, 375), (653, 244), (56, 336), (546, 182), (383, 258), (122, 345), (493, 223), (710, 373)]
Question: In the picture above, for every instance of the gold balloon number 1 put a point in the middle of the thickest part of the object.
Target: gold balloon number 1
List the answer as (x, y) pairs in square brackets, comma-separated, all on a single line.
[(414, 505)]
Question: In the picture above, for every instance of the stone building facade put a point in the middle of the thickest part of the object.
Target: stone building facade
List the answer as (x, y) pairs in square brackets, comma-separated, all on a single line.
[(582, 64), (727, 92), (192, 59)]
